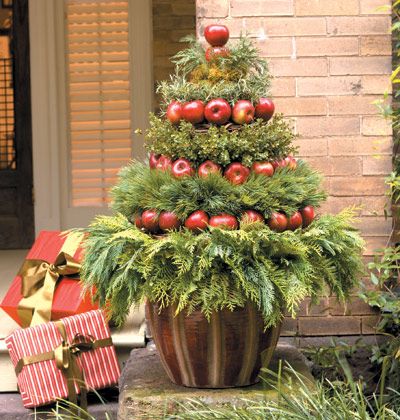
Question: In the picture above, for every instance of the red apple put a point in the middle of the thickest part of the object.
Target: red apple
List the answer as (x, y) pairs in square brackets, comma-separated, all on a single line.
[(217, 111), (264, 109), (243, 112), (275, 164), (150, 220), (224, 221), (213, 53), (295, 221), (174, 112), (138, 221), (252, 216), (197, 221), (182, 167), (263, 168), (208, 167), (153, 159), (193, 111), (278, 222), (236, 173), (216, 35), (308, 215), (164, 163), (292, 162), (168, 220)]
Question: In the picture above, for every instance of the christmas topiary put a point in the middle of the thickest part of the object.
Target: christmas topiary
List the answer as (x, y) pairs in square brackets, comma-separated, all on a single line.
[(222, 214)]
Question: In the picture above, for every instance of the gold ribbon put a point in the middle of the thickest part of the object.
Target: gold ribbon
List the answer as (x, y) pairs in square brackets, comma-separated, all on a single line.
[(65, 356), (39, 279)]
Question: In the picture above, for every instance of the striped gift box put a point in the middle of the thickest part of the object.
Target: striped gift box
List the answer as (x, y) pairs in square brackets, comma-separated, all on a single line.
[(42, 382)]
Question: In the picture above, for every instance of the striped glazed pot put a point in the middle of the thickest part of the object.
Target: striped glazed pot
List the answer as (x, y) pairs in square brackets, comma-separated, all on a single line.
[(227, 351)]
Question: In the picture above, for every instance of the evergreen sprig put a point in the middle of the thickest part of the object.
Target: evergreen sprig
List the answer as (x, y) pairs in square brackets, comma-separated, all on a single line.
[(141, 188), (218, 268), (258, 141), (243, 74)]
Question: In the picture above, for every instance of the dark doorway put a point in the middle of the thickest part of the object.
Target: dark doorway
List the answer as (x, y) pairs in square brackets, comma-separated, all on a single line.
[(16, 179)]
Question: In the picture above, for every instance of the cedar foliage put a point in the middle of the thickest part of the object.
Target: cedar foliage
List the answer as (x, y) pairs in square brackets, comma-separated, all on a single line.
[(220, 269), (141, 188)]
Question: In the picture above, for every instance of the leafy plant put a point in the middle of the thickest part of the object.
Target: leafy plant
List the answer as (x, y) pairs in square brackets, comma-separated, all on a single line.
[(218, 268), (288, 190), (252, 142)]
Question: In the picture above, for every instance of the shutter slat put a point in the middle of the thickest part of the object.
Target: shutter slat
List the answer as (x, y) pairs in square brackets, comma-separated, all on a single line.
[(99, 97)]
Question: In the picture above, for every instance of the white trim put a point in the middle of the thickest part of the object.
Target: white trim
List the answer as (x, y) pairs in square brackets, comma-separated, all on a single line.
[(45, 115), (49, 107)]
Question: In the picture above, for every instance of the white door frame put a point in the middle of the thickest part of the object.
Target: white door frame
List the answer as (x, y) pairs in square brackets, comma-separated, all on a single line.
[(49, 107)]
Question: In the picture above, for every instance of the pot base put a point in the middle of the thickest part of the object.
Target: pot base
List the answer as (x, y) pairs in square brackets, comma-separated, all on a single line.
[(225, 352)]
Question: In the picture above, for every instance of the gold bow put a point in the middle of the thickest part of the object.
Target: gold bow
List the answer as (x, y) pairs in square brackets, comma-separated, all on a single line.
[(39, 279), (65, 356)]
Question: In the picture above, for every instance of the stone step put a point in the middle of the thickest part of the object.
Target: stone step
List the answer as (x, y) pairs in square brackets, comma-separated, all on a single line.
[(147, 393)]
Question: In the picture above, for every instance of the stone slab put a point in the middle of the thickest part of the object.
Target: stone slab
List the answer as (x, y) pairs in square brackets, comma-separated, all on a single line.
[(147, 393)]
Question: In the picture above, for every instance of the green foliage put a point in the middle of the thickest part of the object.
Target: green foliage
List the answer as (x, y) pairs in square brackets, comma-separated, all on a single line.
[(240, 75), (252, 142), (141, 188), (297, 399), (219, 268), (384, 273)]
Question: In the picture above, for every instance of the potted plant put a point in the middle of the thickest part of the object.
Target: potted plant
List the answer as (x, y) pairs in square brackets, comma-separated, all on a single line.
[(218, 230)]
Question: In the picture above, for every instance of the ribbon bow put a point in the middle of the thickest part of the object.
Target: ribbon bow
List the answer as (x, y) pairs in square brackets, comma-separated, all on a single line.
[(66, 357), (39, 279)]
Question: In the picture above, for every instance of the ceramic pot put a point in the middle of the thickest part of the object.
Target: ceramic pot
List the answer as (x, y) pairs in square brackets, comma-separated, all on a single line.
[(227, 351)]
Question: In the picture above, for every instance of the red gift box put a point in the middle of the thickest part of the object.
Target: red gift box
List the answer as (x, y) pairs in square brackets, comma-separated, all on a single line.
[(67, 299), (62, 359)]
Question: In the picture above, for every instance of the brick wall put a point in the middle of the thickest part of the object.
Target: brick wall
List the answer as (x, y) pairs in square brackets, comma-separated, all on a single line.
[(172, 20), (331, 60)]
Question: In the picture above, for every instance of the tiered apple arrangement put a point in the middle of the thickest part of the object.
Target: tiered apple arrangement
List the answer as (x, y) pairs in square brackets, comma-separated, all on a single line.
[(154, 222), (220, 223)]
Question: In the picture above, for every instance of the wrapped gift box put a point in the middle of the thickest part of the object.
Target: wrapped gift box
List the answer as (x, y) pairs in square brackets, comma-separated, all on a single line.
[(67, 299), (42, 377)]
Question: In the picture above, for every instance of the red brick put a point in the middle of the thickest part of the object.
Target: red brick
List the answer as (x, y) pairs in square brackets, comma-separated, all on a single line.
[(344, 146), (376, 126), (336, 166), (337, 325), (374, 7), (275, 47), (369, 323), (300, 67), (327, 126), (326, 8), (301, 106), (356, 186), (355, 306), (345, 25), (289, 327), (312, 147), (212, 9), (368, 205), (360, 65), (321, 308), (373, 243), (377, 165), (352, 105), (329, 86), (320, 46), (375, 226), (273, 26), (375, 84), (376, 45), (261, 8), (283, 86)]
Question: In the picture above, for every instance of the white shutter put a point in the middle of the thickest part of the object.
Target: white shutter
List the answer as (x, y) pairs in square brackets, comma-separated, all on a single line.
[(98, 97)]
